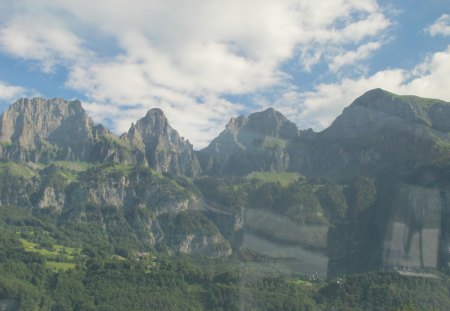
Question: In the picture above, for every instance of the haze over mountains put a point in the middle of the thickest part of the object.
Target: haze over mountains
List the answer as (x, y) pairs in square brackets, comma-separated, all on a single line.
[(337, 201)]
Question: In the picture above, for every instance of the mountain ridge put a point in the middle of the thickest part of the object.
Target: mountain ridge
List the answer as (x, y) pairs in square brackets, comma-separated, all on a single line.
[(335, 196), (238, 122), (34, 130)]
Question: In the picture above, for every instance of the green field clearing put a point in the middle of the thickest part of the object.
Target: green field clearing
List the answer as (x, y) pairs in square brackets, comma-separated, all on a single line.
[(16, 169), (58, 252), (267, 177), (123, 168)]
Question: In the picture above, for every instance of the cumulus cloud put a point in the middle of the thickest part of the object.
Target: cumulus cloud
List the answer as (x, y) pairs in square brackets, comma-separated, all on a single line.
[(10, 92), (185, 57), (351, 57), (440, 27), (44, 40)]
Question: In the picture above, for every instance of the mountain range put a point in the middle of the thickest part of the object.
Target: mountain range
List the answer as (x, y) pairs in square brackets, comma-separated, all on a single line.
[(369, 192)]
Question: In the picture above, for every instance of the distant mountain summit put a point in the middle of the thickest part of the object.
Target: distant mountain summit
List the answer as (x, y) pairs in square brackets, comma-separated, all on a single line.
[(162, 146), (252, 143), (28, 122), (359, 193), (377, 109), (270, 122), (379, 130), (43, 130)]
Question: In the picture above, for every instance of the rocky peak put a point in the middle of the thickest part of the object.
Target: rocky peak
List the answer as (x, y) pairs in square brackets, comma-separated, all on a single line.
[(164, 149), (271, 123), (250, 143), (379, 130), (378, 109), (153, 127), (42, 130), (236, 124), (30, 121), (408, 108), (155, 112)]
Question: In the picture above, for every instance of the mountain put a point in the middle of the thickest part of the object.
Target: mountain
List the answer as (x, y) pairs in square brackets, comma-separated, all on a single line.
[(162, 146), (392, 152), (253, 143), (43, 130), (364, 194), (111, 205), (378, 131), (385, 158), (56, 161)]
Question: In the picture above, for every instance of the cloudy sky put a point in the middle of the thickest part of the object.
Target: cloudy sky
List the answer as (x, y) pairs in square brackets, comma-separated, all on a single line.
[(204, 61)]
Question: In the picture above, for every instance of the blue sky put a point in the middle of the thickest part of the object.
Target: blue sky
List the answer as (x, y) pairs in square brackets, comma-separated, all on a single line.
[(204, 61)]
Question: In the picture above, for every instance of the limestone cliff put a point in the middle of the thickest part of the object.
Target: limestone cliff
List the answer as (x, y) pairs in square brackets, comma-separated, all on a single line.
[(162, 146), (253, 143), (43, 130), (378, 131)]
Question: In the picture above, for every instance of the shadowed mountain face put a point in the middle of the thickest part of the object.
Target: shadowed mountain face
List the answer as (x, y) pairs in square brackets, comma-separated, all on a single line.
[(29, 125), (253, 143), (40, 130), (378, 131), (370, 191), (29, 121), (162, 146)]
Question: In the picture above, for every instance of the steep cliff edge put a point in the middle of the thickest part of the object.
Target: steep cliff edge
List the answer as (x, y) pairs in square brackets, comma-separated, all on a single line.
[(253, 143), (162, 146), (44, 130)]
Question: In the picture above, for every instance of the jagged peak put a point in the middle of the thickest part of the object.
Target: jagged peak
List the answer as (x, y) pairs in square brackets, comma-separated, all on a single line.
[(271, 122), (269, 115), (236, 123), (38, 116), (269, 112), (155, 112), (25, 102), (154, 123)]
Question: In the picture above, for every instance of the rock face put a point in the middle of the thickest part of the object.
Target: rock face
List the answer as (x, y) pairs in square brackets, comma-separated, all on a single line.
[(253, 143), (29, 122), (122, 205), (42, 130), (162, 146), (378, 131), (385, 163), (378, 109)]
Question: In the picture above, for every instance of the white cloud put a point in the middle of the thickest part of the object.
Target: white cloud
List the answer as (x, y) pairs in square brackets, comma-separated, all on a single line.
[(184, 56), (42, 40), (440, 27), (351, 57), (10, 92), (319, 107), (331, 45)]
